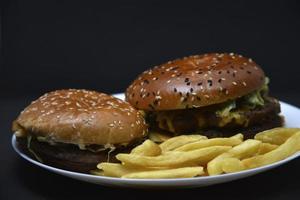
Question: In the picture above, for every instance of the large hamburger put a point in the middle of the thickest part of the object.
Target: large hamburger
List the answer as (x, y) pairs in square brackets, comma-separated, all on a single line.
[(77, 129), (213, 94)]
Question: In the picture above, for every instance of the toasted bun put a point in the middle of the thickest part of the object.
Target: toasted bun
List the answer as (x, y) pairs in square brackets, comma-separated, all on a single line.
[(195, 81), (81, 117)]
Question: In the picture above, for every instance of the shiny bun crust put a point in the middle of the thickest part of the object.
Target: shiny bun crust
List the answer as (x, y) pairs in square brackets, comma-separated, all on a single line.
[(195, 81), (81, 117)]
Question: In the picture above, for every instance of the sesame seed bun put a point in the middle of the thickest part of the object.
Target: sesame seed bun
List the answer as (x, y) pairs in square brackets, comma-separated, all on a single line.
[(195, 81), (81, 117)]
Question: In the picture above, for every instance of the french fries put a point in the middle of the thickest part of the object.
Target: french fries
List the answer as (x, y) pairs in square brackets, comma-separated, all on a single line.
[(244, 150), (188, 156), (148, 148), (276, 136), (174, 159), (117, 169), (230, 165), (210, 142), (178, 141), (185, 172), (265, 148), (288, 148), (158, 137)]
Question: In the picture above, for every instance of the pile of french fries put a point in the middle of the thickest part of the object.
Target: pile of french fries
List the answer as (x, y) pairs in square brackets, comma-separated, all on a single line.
[(188, 156)]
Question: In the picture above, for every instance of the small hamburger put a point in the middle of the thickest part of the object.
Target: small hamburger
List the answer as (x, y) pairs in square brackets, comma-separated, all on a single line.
[(77, 129), (217, 95)]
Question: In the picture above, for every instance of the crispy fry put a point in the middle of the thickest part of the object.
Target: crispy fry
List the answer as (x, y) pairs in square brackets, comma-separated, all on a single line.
[(239, 136), (117, 169), (246, 149), (174, 159), (148, 148), (230, 165), (185, 172), (178, 141), (97, 172), (288, 148), (158, 137), (266, 147), (210, 142), (277, 135)]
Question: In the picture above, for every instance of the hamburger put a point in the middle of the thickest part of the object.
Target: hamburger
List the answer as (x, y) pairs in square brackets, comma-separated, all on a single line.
[(76, 129), (216, 94)]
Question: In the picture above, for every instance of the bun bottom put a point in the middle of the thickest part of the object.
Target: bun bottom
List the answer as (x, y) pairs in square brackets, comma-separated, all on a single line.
[(67, 156)]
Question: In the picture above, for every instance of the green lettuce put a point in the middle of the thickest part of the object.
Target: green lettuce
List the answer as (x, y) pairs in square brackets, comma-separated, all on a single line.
[(231, 111)]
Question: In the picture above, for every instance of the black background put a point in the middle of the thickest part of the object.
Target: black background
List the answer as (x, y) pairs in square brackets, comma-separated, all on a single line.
[(103, 45)]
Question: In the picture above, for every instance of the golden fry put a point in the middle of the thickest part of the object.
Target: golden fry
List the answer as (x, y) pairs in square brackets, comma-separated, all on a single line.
[(174, 159), (178, 141), (246, 149), (288, 148), (185, 172), (158, 137), (117, 169), (210, 142), (230, 165), (239, 136), (97, 172), (148, 148), (266, 147), (277, 135)]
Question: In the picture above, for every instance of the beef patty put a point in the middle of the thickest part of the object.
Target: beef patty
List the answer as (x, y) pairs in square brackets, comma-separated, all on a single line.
[(187, 121), (68, 156)]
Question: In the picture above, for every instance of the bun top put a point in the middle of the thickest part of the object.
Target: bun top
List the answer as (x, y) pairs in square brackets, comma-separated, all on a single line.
[(195, 81), (81, 117)]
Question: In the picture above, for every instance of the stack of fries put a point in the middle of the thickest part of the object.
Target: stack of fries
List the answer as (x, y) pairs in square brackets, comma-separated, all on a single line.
[(189, 156)]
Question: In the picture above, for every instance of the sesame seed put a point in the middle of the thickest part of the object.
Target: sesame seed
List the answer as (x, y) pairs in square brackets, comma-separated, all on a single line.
[(78, 104), (234, 83), (111, 125), (244, 83)]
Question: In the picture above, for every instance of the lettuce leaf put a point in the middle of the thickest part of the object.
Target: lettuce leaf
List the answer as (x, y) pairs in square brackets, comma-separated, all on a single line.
[(255, 98), (228, 107), (29, 139)]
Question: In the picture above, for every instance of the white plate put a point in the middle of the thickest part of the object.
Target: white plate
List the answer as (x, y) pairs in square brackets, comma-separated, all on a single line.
[(292, 116)]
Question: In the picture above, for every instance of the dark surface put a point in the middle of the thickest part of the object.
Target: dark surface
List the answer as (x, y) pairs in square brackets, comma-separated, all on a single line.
[(22, 180), (103, 45)]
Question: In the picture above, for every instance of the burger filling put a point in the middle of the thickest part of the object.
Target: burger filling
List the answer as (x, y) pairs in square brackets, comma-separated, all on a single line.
[(69, 156), (240, 112)]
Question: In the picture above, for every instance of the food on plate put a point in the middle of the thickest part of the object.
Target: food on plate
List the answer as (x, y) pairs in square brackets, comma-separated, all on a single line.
[(243, 150), (230, 165), (148, 148), (288, 148), (210, 159), (216, 95), (266, 147), (184, 172), (231, 141), (179, 141), (158, 136), (77, 129), (174, 158), (277, 135), (117, 169)]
